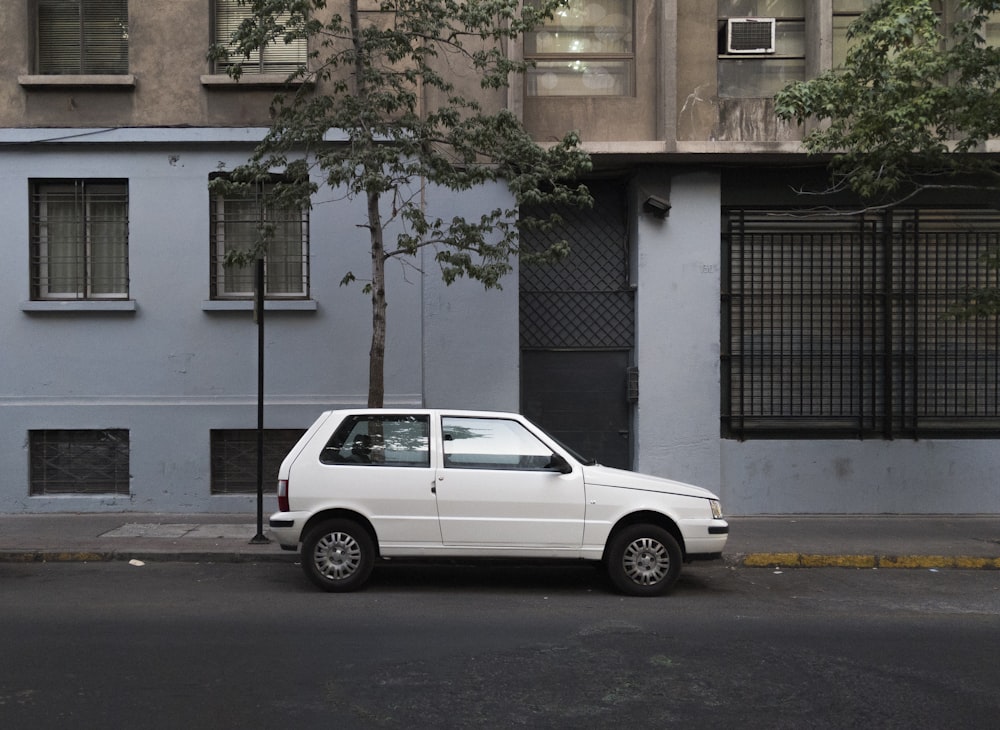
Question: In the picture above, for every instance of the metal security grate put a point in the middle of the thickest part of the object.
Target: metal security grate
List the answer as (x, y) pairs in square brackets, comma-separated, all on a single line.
[(241, 224), (843, 325), (585, 301), (234, 458), (79, 239), (79, 461)]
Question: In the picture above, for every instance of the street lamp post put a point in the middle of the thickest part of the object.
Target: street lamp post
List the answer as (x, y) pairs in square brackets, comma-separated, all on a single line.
[(258, 315)]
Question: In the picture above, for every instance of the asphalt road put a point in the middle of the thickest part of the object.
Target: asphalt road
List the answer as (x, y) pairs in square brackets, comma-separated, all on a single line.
[(178, 645)]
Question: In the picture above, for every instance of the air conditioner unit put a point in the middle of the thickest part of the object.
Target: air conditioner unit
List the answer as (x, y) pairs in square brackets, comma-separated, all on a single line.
[(750, 35)]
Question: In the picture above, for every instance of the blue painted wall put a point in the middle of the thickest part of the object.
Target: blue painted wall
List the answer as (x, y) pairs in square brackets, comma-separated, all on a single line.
[(172, 367)]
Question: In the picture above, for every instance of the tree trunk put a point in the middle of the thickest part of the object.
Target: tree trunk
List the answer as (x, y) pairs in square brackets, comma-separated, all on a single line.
[(376, 355)]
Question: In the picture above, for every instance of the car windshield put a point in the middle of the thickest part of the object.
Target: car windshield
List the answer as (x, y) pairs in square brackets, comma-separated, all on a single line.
[(585, 460)]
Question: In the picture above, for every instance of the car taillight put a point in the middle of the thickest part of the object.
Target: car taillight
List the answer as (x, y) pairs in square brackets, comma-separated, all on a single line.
[(283, 495)]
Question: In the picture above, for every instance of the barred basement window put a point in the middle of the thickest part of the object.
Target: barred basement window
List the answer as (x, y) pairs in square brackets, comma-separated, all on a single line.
[(239, 224), (843, 325), (276, 58), (81, 36), (79, 462), (234, 458), (79, 239)]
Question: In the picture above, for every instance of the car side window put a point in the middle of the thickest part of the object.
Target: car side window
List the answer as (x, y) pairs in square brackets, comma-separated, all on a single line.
[(389, 440), (492, 443)]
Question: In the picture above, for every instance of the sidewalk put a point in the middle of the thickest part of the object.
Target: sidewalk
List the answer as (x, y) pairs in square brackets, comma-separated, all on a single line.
[(943, 541)]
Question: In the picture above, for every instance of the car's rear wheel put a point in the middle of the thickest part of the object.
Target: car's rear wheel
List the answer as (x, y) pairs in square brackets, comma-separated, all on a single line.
[(643, 560), (338, 555)]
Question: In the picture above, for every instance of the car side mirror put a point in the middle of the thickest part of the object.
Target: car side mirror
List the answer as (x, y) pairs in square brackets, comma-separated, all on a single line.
[(559, 464)]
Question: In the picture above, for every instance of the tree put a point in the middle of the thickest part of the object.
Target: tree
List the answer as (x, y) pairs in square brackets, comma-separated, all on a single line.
[(912, 106), (385, 82), (910, 111)]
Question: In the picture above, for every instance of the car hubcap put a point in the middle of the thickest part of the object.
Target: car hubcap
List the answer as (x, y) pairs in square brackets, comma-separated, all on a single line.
[(646, 561), (337, 555)]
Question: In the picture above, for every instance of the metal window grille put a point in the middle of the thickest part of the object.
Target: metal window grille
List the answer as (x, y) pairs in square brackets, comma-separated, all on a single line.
[(244, 224), (585, 302), (843, 325), (79, 461), (82, 36), (79, 239), (277, 58), (234, 458)]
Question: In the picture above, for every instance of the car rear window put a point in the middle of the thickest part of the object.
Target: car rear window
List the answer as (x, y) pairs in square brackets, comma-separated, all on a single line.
[(380, 440)]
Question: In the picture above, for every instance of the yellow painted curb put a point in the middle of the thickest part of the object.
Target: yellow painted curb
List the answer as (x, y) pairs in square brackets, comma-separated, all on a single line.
[(770, 560), (807, 560), (838, 561), (938, 561)]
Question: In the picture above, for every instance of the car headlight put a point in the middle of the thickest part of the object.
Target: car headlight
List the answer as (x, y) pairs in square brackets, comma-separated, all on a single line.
[(716, 509)]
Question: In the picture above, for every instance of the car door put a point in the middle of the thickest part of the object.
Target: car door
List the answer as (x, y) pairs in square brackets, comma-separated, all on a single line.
[(496, 487), (379, 464)]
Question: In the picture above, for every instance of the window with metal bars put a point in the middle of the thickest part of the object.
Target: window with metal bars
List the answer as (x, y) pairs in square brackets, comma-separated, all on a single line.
[(234, 458), (243, 223), (81, 36), (79, 239), (844, 325), (275, 58), (79, 461)]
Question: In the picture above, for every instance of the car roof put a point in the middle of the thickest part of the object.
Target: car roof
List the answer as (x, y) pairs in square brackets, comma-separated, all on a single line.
[(425, 411)]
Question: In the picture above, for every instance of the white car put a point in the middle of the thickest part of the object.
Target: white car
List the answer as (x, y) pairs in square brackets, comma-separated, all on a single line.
[(428, 483)]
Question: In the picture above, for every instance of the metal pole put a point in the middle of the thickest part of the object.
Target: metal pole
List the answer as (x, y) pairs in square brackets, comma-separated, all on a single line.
[(258, 312)]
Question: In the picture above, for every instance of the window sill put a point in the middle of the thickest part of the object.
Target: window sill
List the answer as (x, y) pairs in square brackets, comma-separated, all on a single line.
[(250, 81), (270, 305), (79, 305), (86, 81)]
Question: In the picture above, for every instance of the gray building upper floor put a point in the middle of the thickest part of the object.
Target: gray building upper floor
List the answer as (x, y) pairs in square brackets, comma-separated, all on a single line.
[(634, 77)]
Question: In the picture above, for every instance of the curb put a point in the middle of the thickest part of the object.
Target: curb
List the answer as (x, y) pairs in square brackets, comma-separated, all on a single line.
[(736, 560), (875, 561), (48, 556)]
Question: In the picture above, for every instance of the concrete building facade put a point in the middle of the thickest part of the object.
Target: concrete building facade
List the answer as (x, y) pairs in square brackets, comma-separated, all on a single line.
[(724, 343)]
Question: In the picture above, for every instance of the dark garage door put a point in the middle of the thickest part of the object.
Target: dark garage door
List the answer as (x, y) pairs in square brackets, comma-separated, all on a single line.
[(578, 331)]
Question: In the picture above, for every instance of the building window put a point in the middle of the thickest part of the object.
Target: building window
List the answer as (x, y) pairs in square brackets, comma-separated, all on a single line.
[(844, 325), (276, 58), (79, 239), (79, 462), (586, 49), (243, 224), (767, 69), (81, 36), (234, 458), (846, 12)]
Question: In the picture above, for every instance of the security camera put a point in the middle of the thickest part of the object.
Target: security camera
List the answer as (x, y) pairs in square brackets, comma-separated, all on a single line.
[(657, 206)]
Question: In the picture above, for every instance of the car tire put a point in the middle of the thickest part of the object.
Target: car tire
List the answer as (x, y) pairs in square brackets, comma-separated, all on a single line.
[(643, 560), (338, 555)]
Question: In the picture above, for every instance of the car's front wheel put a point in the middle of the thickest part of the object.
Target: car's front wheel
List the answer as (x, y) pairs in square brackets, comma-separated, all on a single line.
[(643, 560), (338, 555)]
